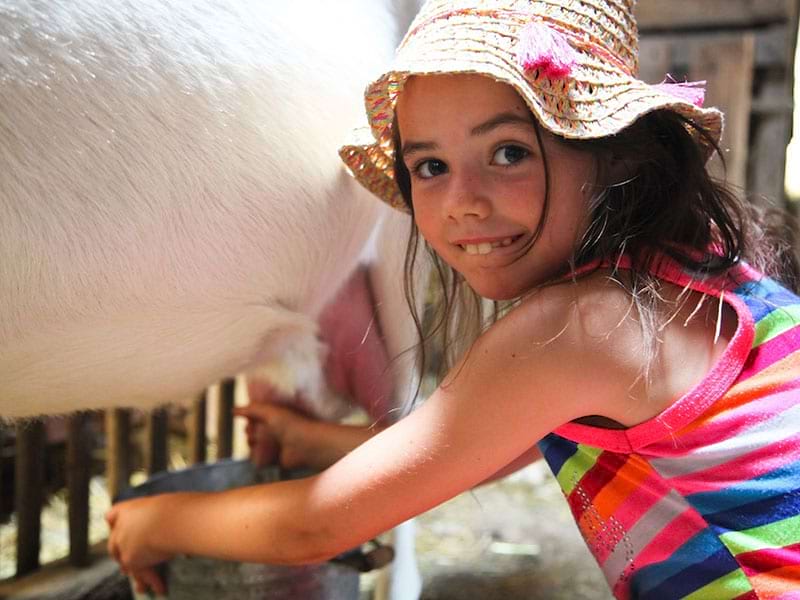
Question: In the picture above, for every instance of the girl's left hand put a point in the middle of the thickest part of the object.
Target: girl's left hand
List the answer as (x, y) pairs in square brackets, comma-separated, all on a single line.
[(148, 580), (133, 524)]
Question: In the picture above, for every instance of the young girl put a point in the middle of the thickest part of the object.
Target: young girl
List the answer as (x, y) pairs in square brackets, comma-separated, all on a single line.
[(654, 366)]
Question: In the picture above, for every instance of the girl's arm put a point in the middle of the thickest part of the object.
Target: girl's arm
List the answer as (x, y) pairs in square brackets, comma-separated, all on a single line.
[(306, 442), (526, 458), (542, 365)]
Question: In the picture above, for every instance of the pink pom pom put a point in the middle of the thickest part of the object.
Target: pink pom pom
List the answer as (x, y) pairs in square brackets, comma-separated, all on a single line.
[(693, 92), (541, 47)]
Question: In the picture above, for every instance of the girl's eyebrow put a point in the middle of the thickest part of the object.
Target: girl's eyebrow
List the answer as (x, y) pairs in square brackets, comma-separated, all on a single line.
[(506, 118), (410, 148)]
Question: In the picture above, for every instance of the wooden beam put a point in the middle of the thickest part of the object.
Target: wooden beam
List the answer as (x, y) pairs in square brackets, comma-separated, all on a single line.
[(4, 493), (79, 472), (771, 132), (676, 51), (118, 451), (727, 65), (197, 429), (656, 58), (29, 493), (227, 393), (711, 14), (156, 434)]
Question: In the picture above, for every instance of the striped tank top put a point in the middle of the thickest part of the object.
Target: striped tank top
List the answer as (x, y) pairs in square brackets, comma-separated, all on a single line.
[(702, 501)]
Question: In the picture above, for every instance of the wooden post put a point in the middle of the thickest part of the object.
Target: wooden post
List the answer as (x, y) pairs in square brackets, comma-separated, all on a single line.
[(118, 463), (655, 58), (79, 467), (727, 64), (156, 441), (710, 14), (227, 391), (197, 429), (4, 493), (28, 493)]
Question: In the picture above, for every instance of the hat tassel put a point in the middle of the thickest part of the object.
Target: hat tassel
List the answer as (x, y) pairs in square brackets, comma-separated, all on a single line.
[(693, 92), (546, 50)]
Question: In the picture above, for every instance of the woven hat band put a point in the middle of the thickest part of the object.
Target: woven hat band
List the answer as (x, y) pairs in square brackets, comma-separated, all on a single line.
[(604, 28), (470, 42)]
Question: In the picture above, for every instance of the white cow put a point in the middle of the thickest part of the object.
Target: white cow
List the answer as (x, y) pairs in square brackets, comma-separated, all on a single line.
[(172, 206)]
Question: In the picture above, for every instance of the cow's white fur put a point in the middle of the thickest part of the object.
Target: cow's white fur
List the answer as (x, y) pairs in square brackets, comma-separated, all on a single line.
[(172, 208)]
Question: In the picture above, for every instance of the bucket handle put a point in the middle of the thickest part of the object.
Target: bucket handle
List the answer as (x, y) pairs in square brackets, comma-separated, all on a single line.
[(363, 561)]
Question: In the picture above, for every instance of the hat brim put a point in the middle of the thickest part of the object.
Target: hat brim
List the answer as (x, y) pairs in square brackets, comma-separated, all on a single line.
[(598, 99)]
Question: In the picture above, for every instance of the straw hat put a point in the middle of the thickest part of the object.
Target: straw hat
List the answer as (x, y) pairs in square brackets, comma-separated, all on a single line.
[(573, 61)]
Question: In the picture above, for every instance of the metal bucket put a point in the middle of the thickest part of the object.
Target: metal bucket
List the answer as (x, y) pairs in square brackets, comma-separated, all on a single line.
[(194, 578)]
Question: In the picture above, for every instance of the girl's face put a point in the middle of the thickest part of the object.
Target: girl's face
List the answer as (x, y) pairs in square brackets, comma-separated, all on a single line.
[(478, 183)]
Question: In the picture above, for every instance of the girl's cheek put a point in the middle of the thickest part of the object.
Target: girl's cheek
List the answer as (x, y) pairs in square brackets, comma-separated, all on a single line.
[(427, 228), (423, 214)]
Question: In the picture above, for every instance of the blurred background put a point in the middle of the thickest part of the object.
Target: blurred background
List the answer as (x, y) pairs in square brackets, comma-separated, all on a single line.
[(511, 539)]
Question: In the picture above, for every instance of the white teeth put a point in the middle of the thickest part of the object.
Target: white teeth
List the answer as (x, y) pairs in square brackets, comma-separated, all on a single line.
[(486, 247)]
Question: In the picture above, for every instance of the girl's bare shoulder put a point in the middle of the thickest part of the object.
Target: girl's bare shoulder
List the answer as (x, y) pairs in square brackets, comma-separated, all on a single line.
[(590, 335), (577, 316), (582, 344)]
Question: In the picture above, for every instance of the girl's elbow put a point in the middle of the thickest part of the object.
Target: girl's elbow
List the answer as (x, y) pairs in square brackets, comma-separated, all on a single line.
[(318, 546)]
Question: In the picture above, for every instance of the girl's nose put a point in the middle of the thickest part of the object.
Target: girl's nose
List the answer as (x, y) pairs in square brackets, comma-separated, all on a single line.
[(467, 197)]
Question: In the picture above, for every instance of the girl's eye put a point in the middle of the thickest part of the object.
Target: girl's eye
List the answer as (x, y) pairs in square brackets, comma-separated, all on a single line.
[(508, 155), (429, 168)]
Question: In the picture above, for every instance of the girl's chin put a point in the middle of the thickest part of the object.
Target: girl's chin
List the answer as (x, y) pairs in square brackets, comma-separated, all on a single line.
[(497, 293)]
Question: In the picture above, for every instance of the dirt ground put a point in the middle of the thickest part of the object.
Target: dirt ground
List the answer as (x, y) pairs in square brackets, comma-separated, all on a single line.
[(511, 540)]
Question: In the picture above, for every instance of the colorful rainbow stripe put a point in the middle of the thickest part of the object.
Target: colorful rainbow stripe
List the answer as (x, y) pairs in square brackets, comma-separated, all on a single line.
[(703, 501)]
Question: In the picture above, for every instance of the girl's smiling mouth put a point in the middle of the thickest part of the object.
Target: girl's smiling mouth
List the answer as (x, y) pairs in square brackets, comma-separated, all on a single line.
[(486, 245)]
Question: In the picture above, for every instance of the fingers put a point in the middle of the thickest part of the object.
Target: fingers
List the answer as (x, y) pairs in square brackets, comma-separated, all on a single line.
[(266, 430), (265, 450), (254, 412), (264, 447), (113, 552), (267, 412), (261, 390), (148, 579), (258, 415), (250, 432)]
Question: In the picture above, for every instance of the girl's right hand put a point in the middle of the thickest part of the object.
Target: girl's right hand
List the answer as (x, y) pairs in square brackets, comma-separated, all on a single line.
[(277, 435), (297, 440), (266, 430)]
